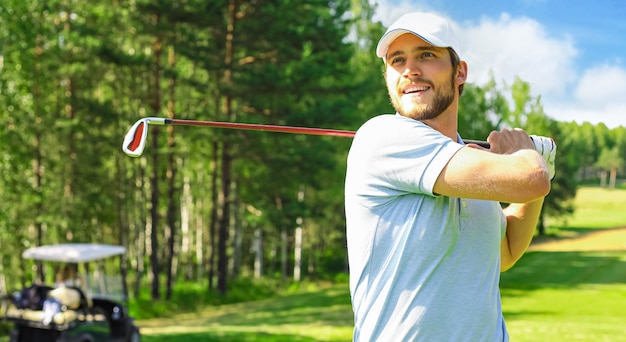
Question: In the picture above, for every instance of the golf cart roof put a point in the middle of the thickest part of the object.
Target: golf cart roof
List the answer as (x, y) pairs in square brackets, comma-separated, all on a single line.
[(73, 252)]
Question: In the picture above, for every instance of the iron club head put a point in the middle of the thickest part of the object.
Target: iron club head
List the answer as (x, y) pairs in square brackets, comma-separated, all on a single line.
[(135, 139)]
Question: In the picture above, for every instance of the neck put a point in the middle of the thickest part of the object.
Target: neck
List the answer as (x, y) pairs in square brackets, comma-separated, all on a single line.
[(446, 123)]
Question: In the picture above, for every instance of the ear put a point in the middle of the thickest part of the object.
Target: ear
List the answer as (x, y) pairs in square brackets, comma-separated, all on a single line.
[(461, 73)]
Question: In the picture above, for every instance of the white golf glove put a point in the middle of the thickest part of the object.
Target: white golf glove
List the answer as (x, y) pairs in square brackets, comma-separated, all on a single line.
[(547, 149)]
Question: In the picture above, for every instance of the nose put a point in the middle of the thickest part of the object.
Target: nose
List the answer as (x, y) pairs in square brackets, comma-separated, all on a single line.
[(412, 68)]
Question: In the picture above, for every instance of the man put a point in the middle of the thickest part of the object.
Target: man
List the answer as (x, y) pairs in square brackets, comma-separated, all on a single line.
[(427, 237)]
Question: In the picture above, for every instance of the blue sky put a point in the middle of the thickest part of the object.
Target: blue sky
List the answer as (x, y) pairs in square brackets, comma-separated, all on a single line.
[(573, 53)]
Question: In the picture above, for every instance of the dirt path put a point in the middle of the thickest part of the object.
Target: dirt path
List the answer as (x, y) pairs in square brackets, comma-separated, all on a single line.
[(601, 240)]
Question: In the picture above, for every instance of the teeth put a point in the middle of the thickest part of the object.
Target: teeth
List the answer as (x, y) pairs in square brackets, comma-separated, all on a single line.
[(414, 89)]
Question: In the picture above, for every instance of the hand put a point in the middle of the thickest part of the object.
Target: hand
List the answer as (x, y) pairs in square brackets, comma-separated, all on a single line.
[(547, 149), (507, 141)]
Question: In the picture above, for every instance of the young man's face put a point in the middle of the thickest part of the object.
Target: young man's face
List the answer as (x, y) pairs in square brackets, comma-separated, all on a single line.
[(421, 81)]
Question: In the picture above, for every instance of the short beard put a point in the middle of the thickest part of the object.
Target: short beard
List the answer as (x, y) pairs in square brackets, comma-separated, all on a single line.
[(442, 100)]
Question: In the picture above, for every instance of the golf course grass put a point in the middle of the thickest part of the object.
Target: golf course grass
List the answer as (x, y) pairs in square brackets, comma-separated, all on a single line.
[(566, 296), (597, 208), (560, 294), (548, 296)]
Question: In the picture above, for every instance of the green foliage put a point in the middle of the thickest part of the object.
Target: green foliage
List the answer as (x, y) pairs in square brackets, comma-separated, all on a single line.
[(75, 75), (481, 110), (192, 296), (610, 159)]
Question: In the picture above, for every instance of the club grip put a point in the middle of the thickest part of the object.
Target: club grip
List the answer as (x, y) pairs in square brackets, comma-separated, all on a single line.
[(477, 142)]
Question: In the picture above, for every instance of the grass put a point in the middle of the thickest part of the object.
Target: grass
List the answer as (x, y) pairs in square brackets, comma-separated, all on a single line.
[(597, 208), (547, 296), (311, 314), (566, 296), (571, 296)]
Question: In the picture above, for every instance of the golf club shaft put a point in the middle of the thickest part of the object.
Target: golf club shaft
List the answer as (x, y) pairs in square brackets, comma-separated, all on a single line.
[(259, 127), (134, 141), (283, 129)]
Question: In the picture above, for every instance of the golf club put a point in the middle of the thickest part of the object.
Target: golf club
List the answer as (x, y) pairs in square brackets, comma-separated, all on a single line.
[(135, 139)]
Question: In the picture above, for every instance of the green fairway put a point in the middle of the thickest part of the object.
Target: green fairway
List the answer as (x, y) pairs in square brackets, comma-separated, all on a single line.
[(566, 296), (321, 314), (547, 296), (598, 208)]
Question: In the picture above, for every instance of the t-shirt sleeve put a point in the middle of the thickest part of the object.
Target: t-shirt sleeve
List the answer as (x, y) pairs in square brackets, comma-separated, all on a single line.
[(400, 155)]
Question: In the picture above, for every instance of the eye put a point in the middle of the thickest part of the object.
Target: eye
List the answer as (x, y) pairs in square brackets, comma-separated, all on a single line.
[(427, 54), (396, 60)]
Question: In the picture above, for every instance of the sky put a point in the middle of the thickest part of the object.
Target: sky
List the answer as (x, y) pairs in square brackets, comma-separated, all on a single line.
[(571, 52)]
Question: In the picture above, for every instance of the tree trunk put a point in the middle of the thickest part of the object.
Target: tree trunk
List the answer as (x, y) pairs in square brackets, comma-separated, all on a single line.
[(283, 254), (214, 214), (38, 168), (613, 178), (171, 180), (237, 235), (297, 257), (258, 252), (154, 210), (297, 262), (602, 179), (222, 258)]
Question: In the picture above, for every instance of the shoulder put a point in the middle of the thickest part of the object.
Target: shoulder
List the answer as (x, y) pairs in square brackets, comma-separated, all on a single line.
[(390, 128), (389, 133), (384, 121)]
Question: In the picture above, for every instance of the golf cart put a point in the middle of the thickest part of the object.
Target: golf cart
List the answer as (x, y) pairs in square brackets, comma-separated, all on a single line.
[(79, 307)]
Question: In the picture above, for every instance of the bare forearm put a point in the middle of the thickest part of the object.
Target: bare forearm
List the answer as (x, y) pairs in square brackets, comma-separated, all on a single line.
[(521, 222)]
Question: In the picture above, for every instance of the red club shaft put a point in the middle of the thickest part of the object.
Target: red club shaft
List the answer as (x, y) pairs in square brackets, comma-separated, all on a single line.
[(267, 128), (282, 129)]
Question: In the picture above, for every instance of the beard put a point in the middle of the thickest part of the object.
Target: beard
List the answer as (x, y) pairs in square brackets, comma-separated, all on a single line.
[(443, 98)]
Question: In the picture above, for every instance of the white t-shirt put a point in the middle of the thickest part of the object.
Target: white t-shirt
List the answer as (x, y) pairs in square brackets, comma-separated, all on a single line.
[(422, 267)]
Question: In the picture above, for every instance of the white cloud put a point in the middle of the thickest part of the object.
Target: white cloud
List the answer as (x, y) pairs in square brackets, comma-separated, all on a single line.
[(387, 12), (610, 114), (601, 85), (600, 96), (520, 47)]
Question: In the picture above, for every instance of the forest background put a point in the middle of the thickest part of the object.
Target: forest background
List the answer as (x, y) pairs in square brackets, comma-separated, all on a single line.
[(211, 206)]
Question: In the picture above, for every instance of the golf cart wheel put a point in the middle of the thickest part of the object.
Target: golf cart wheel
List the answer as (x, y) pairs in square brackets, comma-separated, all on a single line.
[(14, 336), (134, 335)]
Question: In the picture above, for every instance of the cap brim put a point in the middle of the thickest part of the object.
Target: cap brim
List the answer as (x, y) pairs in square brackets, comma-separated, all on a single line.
[(389, 37)]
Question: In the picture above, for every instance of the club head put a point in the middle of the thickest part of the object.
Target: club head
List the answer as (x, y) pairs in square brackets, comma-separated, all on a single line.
[(135, 139)]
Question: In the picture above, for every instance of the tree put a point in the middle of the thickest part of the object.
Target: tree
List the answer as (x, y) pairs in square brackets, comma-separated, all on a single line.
[(481, 110), (528, 113), (74, 75), (609, 161)]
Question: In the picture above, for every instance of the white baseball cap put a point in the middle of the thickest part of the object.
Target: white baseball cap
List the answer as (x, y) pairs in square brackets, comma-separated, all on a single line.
[(433, 29)]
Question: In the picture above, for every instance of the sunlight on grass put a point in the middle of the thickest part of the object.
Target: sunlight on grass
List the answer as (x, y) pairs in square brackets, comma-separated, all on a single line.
[(566, 296), (309, 314), (588, 313), (548, 296), (598, 208)]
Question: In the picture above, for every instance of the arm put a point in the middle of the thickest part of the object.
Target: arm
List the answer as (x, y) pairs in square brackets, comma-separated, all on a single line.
[(521, 222), (511, 171)]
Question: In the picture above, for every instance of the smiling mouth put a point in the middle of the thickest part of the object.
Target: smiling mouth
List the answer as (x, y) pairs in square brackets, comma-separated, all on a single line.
[(411, 89)]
